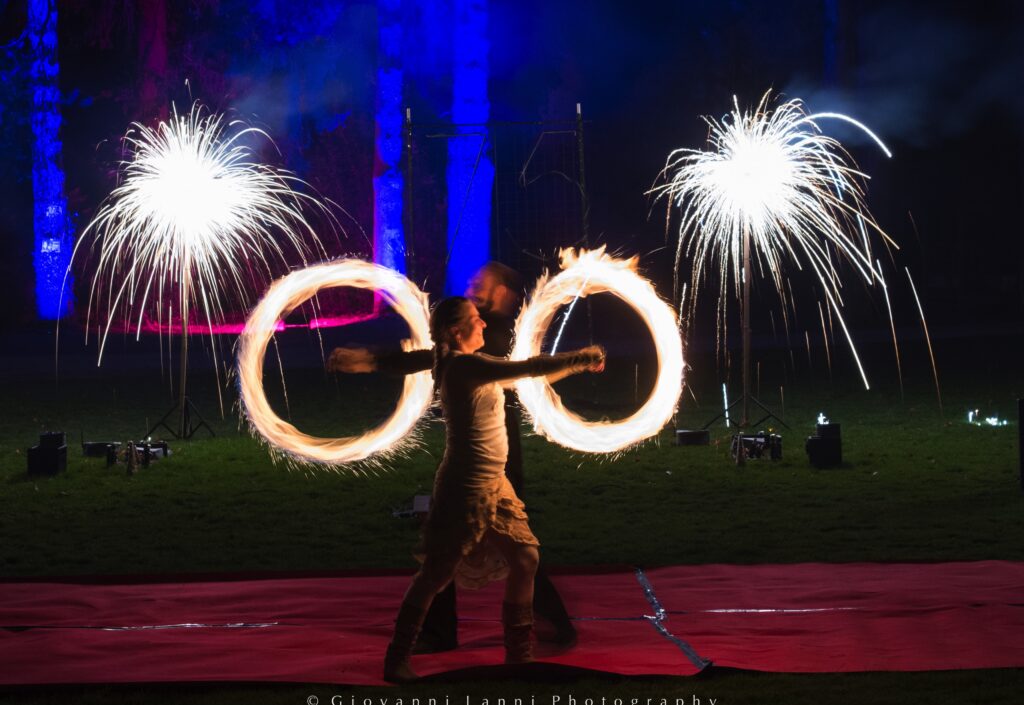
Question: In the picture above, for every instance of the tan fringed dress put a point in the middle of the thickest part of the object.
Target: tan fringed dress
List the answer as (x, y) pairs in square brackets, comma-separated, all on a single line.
[(471, 492)]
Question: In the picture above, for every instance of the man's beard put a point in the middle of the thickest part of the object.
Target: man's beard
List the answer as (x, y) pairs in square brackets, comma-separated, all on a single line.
[(483, 306)]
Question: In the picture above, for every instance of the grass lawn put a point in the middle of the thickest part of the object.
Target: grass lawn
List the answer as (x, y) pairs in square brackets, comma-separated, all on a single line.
[(916, 485)]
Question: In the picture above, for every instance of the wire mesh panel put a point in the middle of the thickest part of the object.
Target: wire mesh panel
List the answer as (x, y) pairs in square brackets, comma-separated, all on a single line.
[(538, 199)]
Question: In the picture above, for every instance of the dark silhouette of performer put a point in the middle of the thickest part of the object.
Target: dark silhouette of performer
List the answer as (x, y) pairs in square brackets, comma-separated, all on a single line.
[(496, 289)]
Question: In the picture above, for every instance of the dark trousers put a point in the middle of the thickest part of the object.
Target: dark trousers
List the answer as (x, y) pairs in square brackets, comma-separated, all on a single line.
[(439, 627)]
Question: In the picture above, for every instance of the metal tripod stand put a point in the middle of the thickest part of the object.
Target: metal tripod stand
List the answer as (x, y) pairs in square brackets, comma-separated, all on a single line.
[(746, 398)]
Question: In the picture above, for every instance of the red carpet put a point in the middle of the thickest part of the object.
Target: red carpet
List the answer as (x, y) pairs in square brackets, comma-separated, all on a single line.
[(816, 618), (788, 618)]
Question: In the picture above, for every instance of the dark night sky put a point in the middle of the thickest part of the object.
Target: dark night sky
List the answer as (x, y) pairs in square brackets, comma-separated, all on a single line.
[(939, 81)]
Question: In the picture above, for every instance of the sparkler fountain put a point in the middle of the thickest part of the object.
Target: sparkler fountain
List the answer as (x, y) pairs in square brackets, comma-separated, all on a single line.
[(775, 184), (194, 215)]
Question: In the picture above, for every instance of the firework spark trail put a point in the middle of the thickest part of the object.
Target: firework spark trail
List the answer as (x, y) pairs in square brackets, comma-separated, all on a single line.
[(196, 215), (280, 369), (682, 303), (831, 326), (824, 335), (771, 173), (849, 339), (892, 326), (284, 296), (568, 312), (928, 339), (846, 118), (864, 237), (601, 273)]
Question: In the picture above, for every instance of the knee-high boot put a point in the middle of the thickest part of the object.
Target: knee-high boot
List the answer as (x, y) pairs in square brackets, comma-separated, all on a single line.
[(407, 628), (517, 620)]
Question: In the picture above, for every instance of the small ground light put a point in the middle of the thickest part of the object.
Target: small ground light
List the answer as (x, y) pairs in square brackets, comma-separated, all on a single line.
[(975, 418)]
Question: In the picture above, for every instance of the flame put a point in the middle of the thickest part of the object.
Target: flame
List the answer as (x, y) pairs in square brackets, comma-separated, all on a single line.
[(587, 272), (284, 296)]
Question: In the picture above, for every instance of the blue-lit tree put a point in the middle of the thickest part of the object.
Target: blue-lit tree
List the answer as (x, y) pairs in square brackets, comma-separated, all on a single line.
[(51, 252), (470, 172), (388, 243)]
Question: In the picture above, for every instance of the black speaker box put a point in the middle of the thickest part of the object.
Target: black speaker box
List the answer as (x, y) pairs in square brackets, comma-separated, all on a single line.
[(52, 439), (97, 449), (50, 456), (700, 437), (824, 452), (829, 430)]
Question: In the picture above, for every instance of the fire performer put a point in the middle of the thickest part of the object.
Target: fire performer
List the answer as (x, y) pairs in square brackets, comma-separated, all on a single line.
[(477, 529), (496, 289)]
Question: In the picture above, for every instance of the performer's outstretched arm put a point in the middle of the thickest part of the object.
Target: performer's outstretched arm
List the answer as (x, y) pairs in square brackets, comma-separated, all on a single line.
[(397, 362), (482, 369), (404, 362)]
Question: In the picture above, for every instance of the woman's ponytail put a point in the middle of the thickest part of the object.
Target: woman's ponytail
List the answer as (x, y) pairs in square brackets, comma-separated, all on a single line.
[(445, 316)]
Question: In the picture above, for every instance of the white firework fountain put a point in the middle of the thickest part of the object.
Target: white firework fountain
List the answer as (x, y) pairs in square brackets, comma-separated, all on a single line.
[(194, 220), (775, 187)]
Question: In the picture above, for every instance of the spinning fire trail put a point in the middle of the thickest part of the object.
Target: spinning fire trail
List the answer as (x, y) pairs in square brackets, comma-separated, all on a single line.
[(583, 274), (284, 296), (772, 186), (194, 219)]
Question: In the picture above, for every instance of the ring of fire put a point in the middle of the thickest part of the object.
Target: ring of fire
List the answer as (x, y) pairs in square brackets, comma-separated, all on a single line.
[(584, 274), (284, 296)]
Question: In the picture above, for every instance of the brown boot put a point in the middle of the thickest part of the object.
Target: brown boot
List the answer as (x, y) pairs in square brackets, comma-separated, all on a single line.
[(407, 628), (518, 622)]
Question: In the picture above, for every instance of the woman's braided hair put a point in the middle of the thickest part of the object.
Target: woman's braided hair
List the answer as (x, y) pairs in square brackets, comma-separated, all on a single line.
[(447, 314)]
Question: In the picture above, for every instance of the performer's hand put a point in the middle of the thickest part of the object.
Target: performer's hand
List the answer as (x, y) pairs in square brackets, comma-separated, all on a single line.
[(598, 352), (351, 360)]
